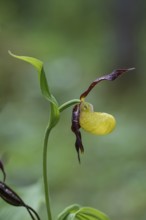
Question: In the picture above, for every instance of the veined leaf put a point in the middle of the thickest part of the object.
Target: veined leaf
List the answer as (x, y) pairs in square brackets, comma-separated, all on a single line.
[(75, 212), (91, 214), (68, 213)]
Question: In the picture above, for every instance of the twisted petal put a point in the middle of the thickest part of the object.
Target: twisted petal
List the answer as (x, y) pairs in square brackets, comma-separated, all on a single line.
[(75, 128), (112, 76)]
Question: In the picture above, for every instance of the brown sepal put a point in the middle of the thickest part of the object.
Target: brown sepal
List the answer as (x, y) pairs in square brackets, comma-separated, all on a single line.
[(112, 76)]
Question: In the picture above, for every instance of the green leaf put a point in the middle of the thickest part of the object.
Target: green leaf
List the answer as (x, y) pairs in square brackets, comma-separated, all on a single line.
[(42, 77), (55, 113), (68, 213), (91, 214), (35, 62), (54, 116), (75, 212)]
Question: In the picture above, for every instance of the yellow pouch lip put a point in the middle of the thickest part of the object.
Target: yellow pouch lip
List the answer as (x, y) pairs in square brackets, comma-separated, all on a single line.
[(98, 123)]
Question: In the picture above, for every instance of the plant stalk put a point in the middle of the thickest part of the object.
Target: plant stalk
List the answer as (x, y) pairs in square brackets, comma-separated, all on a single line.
[(45, 177), (68, 104), (53, 121)]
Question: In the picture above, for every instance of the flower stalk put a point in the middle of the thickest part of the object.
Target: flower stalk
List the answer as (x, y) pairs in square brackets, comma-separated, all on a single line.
[(45, 172)]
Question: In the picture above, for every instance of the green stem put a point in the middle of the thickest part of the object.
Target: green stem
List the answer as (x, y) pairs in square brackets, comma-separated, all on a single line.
[(54, 117), (45, 177), (68, 104)]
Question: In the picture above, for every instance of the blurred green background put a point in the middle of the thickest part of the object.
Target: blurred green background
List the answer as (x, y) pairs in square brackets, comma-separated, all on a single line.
[(78, 41)]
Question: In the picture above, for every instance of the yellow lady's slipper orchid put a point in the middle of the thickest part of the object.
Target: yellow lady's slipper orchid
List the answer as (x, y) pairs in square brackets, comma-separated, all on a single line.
[(97, 123), (83, 115)]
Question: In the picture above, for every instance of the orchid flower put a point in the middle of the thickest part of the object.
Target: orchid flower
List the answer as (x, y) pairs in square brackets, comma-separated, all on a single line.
[(83, 115)]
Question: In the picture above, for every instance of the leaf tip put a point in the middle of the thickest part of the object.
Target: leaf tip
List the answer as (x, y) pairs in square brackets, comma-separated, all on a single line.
[(10, 53), (13, 55)]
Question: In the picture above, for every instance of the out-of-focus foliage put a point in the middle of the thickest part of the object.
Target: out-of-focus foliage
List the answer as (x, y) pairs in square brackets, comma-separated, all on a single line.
[(76, 212), (78, 41)]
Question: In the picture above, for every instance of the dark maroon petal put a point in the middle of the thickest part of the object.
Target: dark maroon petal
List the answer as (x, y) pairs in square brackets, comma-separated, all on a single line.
[(3, 171), (75, 128), (112, 76)]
